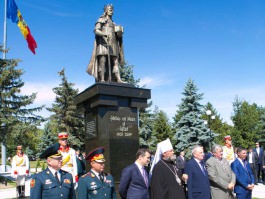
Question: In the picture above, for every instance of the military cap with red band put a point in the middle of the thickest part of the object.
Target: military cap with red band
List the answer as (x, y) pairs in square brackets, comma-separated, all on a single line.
[(63, 135), (228, 137), (96, 155)]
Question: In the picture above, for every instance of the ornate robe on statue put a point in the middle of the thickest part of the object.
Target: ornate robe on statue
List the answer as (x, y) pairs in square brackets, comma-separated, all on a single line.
[(115, 48), (164, 184), (69, 162), (20, 168)]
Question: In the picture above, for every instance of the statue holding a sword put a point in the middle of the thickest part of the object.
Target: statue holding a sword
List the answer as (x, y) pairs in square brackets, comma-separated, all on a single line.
[(108, 53)]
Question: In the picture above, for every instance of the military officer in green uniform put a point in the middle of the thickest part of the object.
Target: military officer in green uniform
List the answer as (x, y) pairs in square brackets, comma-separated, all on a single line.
[(96, 184), (52, 183)]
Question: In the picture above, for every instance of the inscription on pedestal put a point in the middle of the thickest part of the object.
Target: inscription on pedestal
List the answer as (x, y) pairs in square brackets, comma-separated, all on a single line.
[(91, 129), (123, 124)]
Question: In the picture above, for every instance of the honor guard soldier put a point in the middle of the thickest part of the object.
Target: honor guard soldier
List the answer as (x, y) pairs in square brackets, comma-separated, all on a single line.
[(96, 184), (68, 154), (228, 150), (20, 169), (52, 183)]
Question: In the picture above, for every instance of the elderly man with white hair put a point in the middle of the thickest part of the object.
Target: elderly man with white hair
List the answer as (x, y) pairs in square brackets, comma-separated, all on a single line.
[(198, 182), (166, 177), (222, 178)]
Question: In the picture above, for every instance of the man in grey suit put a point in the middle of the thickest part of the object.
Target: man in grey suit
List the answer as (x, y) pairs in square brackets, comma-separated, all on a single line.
[(222, 178)]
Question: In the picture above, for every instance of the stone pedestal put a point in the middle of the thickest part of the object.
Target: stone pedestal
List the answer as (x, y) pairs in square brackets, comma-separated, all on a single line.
[(111, 118)]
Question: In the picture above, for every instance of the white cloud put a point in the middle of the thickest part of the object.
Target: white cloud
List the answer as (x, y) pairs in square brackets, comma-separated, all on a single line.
[(153, 82), (45, 95)]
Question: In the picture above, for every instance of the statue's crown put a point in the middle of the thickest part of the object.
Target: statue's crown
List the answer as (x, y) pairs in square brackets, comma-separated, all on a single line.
[(108, 5)]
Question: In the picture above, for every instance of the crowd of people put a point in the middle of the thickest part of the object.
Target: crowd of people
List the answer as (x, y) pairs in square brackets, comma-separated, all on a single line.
[(224, 173)]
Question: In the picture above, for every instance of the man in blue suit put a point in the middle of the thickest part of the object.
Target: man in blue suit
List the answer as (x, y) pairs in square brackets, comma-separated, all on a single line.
[(52, 183), (258, 165), (134, 182), (198, 180), (244, 176)]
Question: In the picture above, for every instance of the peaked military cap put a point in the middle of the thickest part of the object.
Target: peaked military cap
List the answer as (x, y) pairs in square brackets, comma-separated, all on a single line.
[(51, 151), (96, 155), (227, 137), (63, 135)]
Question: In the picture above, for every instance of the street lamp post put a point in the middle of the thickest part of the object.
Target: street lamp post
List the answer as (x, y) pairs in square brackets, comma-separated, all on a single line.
[(210, 117)]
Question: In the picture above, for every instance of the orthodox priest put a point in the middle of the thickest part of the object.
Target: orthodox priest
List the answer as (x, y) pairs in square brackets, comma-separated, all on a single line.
[(108, 53), (165, 176)]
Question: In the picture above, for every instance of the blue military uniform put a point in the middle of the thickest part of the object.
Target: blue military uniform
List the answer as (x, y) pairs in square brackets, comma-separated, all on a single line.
[(44, 185), (90, 186)]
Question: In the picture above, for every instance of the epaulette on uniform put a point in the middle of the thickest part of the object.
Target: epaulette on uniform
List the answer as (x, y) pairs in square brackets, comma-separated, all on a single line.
[(88, 174), (63, 171)]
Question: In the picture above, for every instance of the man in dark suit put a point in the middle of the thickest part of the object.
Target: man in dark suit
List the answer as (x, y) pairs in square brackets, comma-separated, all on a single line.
[(244, 176), (198, 180), (52, 183), (81, 168), (181, 161), (252, 158), (263, 166), (134, 182), (259, 169)]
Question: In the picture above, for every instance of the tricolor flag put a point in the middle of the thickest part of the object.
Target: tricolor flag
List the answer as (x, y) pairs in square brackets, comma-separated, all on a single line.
[(14, 14)]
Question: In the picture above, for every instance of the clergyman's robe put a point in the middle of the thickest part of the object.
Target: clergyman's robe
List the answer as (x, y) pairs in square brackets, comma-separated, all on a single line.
[(163, 182)]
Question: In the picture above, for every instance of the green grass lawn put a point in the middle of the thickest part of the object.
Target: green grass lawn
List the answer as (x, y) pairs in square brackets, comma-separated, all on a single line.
[(37, 164), (41, 164)]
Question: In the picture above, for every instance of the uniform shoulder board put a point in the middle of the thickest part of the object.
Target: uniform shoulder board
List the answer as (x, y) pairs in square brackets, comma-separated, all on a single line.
[(63, 171), (88, 174)]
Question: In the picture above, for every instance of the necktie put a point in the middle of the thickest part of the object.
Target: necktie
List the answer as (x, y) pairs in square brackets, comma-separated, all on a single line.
[(56, 176), (100, 177), (202, 168), (144, 176)]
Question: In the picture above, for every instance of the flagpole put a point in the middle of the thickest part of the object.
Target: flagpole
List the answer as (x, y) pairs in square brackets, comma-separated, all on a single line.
[(3, 147), (4, 41)]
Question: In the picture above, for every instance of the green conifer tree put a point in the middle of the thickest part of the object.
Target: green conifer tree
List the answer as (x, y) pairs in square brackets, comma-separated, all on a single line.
[(191, 129), (246, 119), (127, 75), (161, 127), (17, 115), (64, 112), (146, 127), (262, 126), (214, 124), (47, 139)]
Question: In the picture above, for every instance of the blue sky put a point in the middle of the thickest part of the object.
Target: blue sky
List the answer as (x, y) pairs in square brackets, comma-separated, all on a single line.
[(220, 44)]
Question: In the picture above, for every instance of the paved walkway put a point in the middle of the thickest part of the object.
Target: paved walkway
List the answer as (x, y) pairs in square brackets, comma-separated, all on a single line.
[(258, 191)]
